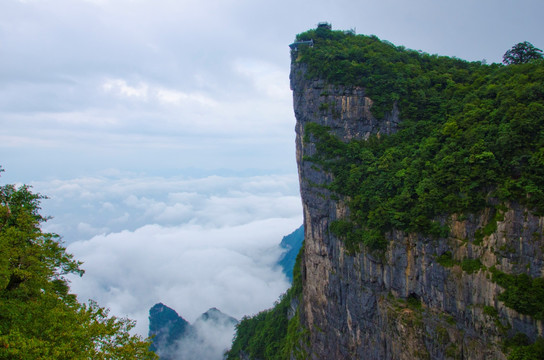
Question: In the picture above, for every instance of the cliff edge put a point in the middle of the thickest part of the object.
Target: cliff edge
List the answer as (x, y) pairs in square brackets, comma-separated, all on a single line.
[(422, 296)]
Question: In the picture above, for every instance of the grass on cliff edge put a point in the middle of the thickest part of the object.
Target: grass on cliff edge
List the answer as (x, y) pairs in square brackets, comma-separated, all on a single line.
[(470, 132)]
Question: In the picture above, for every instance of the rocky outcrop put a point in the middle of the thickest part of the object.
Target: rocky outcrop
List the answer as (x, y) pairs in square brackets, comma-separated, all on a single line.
[(403, 303)]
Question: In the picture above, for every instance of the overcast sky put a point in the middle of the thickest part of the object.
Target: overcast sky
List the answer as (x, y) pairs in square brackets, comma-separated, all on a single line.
[(163, 132), (195, 87)]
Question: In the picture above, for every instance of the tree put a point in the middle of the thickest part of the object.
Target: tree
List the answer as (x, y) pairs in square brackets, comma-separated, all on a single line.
[(39, 317), (522, 53)]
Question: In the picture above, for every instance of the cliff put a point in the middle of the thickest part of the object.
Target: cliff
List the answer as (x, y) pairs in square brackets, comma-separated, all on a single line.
[(422, 183), (420, 296)]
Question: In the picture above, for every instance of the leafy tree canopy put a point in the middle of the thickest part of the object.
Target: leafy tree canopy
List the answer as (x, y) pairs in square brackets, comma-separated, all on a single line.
[(522, 53), (471, 135), (39, 317)]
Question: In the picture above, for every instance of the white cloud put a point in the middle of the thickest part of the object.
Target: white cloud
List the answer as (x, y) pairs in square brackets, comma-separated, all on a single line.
[(115, 203), (121, 88), (22, 141), (146, 92), (210, 341), (191, 243), (171, 96), (87, 229), (190, 267), (266, 77), (174, 97)]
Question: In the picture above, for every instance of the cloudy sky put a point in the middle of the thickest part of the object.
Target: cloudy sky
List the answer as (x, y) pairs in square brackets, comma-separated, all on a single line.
[(162, 130)]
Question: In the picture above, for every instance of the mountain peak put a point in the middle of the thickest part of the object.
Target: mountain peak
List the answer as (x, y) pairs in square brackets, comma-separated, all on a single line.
[(175, 338), (216, 316)]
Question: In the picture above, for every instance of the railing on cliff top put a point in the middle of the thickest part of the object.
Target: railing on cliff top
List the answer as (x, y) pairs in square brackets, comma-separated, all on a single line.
[(294, 46)]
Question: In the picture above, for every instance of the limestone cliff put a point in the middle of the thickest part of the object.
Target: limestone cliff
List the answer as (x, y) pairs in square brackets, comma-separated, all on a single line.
[(403, 303)]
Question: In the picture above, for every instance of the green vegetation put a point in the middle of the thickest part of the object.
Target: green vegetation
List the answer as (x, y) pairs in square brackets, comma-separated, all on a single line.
[(471, 265), (521, 293), (453, 351), (522, 53), (446, 259), (468, 265), (491, 311), (471, 134), (450, 320), (271, 334), (413, 302), (490, 227), (39, 318), (521, 348)]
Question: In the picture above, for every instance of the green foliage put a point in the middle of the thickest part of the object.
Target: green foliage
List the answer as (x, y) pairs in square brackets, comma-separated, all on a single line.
[(488, 229), (450, 320), (324, 106), (468, 265), (39, 318), (471, 265), (522, 53), (352, 236), (469, 133), (271, 334), (519, 339), (521, 293), (446, 259), (521, 348), (413, 302), (491, 311), (387, 72), (452, 351)]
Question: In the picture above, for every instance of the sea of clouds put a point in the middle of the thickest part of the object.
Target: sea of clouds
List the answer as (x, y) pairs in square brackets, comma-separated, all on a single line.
[(191, 243)]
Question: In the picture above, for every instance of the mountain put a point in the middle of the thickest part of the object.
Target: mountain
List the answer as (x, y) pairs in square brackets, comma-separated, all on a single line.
[(176, 339), (215, 316), (291, 244), (166, 326), (211, 333), (422, 182)]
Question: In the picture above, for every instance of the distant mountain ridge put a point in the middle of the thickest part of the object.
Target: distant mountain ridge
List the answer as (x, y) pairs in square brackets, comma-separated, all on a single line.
[(175, 338), (166, 326), (292, 244)]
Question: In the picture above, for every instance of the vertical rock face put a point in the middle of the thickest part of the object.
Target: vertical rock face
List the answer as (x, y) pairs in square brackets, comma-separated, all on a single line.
[(401, 304)]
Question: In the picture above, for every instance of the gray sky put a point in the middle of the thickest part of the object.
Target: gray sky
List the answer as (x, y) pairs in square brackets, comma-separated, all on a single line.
[(163, 130), (191, 87)]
